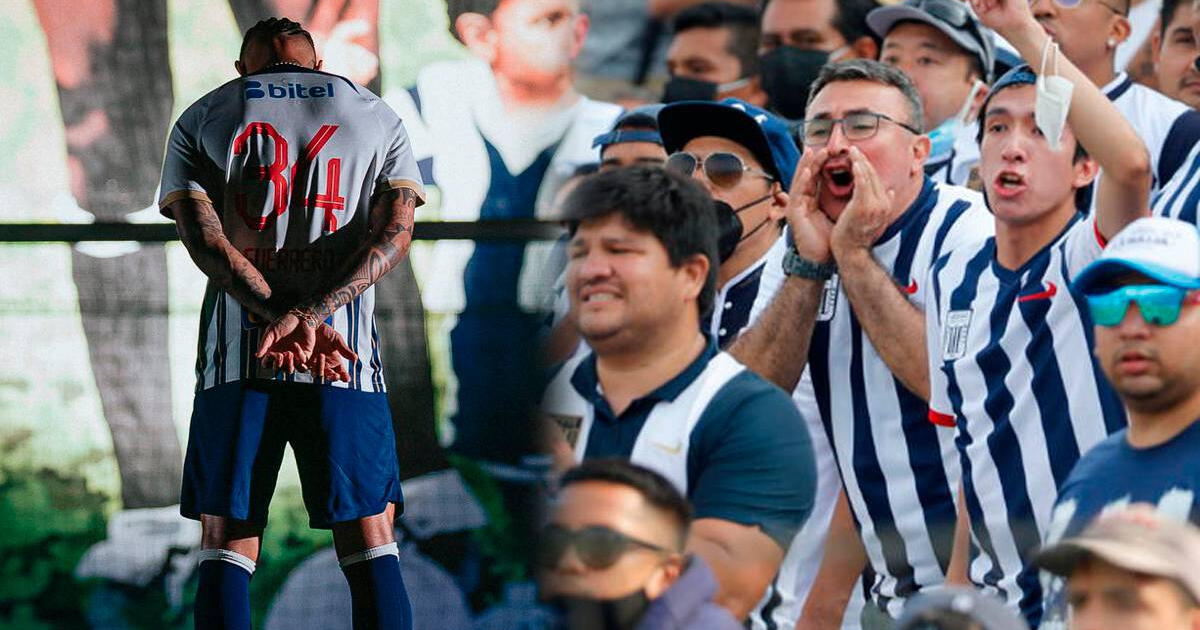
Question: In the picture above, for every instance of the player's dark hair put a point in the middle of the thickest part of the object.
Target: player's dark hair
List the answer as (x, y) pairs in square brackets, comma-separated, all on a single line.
[(850, 19), (270, 28), (655, 489), (674, 208), (1166, 14), (943, 619), (455, 8), (742, 22)]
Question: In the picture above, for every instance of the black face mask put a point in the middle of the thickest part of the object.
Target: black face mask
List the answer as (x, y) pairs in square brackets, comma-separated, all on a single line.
[(787, 73), (685, 89), (623, 613), (730, 227)]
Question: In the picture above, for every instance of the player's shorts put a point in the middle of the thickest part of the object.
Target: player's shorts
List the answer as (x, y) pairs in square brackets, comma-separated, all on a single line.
[(343, 440)]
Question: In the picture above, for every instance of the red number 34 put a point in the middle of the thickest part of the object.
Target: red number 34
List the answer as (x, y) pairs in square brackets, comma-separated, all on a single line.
[(277, 174)]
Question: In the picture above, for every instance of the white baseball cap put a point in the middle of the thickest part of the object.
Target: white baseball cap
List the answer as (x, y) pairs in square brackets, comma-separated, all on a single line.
[(1166, 250)]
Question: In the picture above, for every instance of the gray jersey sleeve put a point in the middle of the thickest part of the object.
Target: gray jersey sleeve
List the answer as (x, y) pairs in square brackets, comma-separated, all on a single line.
[(399, 166), (181, 172)]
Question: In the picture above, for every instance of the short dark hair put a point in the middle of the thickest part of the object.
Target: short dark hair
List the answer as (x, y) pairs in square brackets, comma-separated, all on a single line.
[(875, 72), (455, 8), (270, 28), (944, 619), (742, 22), (674, 208), (655, 489), (850, 19), (1166, 14), (639, 122)]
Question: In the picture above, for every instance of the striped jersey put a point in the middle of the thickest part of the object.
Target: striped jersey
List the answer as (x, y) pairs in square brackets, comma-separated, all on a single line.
[(1169, 129), (291, 159), (736, 298), (1011, 369), (898, 472), (1178, 198)]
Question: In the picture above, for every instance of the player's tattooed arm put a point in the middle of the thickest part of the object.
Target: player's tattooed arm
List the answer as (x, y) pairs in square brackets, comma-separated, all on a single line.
[(389, 237), (201, 232)]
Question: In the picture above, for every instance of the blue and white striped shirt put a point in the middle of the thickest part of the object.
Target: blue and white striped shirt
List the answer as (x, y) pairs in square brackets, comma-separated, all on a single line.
[(1011, 368), (898, 471)]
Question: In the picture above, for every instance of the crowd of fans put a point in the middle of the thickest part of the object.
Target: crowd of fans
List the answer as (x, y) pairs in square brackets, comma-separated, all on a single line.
[(843, 337)]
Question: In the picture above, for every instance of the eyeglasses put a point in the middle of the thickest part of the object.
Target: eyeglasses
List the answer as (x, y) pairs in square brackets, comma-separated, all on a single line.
[(860, 126), (1159, 304), (1071, 4), (597, 546), (723, 169)]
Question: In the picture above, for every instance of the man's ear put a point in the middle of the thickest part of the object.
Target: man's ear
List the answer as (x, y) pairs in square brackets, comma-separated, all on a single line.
[(779, 201), (1155, 47), (240, 67), (665, 577), (317, 66), (695, 268), (1085, 172), (980, 97), (1119, 29), (582, 24), (921, 149), (865, 48), (476, 32)]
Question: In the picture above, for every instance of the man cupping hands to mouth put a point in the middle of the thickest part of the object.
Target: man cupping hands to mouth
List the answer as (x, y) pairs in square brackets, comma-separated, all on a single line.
[(865, 226)]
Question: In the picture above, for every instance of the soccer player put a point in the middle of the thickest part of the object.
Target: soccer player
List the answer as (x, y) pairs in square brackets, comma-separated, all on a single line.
[(656, 390), (861, 199), (293, 191), (1142, 295), (1008, 344)]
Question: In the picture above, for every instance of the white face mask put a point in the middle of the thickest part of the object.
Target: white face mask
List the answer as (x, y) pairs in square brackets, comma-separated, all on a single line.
[(1053, 99)]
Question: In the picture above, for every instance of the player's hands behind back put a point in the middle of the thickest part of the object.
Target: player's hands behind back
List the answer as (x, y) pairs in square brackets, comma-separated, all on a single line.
[(296, 342)]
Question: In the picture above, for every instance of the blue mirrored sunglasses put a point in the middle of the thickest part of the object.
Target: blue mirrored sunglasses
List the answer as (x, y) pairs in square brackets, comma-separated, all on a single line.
[(1159, 304)]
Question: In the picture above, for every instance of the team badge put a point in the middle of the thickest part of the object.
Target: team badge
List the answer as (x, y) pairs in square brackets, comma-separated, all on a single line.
[(954, 335), (829, 299)]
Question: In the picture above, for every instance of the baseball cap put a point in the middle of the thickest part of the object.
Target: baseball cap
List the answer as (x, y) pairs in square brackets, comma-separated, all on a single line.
[(1167, 250), (1136, 539), (983, 609), (644, 116), (952, 17), (764, 134)]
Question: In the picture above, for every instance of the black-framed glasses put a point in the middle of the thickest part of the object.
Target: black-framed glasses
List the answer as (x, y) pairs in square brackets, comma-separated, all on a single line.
[(860, 126), (723, 169), (597, 546)]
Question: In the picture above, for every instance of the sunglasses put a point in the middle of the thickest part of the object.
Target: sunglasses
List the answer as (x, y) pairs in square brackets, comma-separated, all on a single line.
[(861, 126), (1159, 304), (597, 546), (723, 169)]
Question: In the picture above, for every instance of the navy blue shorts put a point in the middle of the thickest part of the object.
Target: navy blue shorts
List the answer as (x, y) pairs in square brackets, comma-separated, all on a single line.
[(343, 440)]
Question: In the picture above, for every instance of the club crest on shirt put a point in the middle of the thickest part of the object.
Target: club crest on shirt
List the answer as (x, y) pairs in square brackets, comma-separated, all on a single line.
[(829, 299), (954, 335), (569, 425)]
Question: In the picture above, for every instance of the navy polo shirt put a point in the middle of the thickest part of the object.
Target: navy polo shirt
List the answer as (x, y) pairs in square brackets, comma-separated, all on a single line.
[(750, 459)]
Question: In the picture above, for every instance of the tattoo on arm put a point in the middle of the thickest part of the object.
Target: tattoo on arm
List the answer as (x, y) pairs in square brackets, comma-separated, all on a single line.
[(202, 235), (389, 239)]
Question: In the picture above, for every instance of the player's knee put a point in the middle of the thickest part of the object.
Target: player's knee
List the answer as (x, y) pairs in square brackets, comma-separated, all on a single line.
[(218, 532)]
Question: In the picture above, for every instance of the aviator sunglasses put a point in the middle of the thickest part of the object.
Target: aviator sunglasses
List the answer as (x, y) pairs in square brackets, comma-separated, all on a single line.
[(723, 169), (1159, 304), (597, 546)]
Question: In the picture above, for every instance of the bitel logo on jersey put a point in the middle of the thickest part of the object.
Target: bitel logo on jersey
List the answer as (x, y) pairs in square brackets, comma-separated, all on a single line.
[(254, 89)]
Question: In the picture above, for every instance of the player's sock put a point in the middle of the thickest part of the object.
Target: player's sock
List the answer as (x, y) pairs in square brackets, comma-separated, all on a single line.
[(223, 596), (377, 590)]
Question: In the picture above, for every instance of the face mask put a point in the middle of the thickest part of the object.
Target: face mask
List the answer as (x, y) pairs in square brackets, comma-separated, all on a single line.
[(730, 227), (582, 613), (686, 89), (787, 72), (942, 139), (1053, 100)]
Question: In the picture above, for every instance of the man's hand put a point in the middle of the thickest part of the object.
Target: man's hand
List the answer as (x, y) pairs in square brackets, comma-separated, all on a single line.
[(869, 212), (811, 228), (329, 354), (1006, 17), (287, 344)]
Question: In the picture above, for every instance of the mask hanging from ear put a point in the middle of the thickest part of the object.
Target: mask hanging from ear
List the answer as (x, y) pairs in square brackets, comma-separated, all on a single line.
[(687, 89), (1053, 101), (788, 72), (942, 138)]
